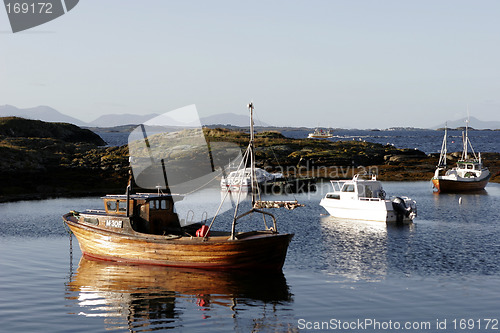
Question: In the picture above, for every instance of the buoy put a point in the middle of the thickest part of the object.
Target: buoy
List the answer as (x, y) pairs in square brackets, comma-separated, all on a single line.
[(203, 231)]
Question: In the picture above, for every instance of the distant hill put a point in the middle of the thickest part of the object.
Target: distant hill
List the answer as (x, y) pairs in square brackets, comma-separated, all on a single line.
[(42, 112), (474, 123)]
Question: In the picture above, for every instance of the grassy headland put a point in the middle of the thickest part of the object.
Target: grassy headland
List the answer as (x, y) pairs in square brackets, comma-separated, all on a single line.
[(39, 159)]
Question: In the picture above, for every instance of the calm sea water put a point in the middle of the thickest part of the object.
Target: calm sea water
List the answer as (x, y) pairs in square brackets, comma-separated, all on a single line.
[(441, 272), (428, 141)]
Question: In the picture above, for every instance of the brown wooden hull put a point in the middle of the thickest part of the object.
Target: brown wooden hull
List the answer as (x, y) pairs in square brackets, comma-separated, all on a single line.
[(451, 186), (257, 250)]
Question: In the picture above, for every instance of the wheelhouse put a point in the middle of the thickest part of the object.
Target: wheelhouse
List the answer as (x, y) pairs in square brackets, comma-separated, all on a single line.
[(468, 166), (153, 214), (362, 189)]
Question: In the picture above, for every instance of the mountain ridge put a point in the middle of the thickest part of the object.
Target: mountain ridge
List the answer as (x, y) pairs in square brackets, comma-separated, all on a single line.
[(41, 112), (49, 114)]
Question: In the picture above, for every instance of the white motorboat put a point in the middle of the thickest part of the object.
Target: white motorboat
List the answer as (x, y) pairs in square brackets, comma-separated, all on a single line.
[(320, 134), (241, 179), (365, 199)]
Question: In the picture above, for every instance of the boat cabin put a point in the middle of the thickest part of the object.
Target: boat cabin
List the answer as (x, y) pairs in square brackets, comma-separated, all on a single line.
[(464, 169), (151, 214), (357, 189), (468, 165)]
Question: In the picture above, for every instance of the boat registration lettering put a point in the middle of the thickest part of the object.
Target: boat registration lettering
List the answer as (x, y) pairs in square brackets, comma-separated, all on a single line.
[(114, 223)]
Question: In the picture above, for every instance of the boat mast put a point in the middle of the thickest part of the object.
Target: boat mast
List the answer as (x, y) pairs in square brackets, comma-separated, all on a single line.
[(444, 149), (466, 139), (253, 179)]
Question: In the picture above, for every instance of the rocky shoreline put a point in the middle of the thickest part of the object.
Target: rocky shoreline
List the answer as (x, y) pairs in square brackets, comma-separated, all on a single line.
[(41, 160)]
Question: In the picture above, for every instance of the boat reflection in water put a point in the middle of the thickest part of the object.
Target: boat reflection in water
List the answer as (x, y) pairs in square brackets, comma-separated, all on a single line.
[(459, 206), (144, 297), (362, 250)]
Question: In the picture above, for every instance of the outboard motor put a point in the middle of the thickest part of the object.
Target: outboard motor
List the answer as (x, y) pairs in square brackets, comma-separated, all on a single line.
[(401, 209)]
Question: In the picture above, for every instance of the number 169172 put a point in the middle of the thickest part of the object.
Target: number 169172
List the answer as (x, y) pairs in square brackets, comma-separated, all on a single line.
[(29, 8)]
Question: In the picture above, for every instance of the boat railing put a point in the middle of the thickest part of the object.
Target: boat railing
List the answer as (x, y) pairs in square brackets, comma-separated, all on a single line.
[(366, 175), (95, 211)]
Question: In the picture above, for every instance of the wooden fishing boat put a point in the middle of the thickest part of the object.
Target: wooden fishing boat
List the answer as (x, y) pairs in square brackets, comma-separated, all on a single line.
[(143, 228), (117, 237), (467, 176)]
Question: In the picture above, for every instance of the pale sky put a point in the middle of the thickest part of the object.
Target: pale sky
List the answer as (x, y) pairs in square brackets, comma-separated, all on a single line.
[(354, 64)]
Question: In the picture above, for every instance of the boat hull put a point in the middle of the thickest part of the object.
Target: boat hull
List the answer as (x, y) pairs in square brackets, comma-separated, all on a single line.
[(254, 250), (377, 210), (319, 136), (450, 186)]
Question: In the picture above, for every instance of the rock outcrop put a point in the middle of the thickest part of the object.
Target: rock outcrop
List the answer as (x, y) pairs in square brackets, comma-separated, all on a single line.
[(39, 159)]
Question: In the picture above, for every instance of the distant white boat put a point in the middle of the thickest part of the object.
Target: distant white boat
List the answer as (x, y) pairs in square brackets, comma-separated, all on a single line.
[(361, 199), (241, 179), (320, 134)]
